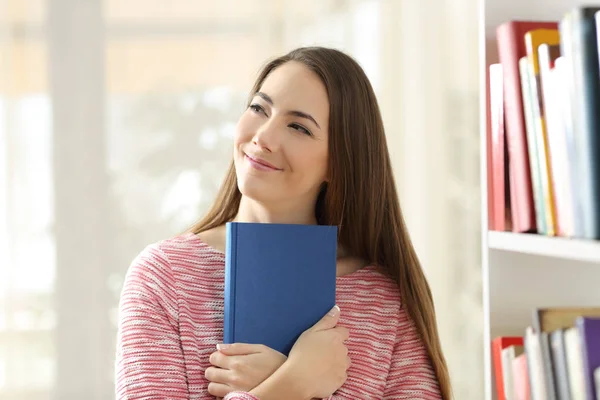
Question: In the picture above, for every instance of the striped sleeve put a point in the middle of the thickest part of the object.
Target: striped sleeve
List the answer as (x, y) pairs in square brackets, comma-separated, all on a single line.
[(149, 361), (411, 374), (240, 396)]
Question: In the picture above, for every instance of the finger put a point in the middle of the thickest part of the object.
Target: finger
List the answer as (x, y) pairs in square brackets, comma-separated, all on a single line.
[(328, 321), (220, 360), (343, 332), (218, 389), (217, 375), (348, 362), (240, 349)]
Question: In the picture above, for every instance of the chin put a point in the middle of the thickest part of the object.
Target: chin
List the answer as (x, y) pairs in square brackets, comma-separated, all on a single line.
[(256, 189)]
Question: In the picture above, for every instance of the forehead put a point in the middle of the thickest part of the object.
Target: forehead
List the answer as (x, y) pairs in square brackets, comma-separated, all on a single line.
[(293, 86)]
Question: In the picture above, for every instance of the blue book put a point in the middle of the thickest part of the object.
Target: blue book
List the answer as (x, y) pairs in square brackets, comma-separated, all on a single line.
[(279, 281)]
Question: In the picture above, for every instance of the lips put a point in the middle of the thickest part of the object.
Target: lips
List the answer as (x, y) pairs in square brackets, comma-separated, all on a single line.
[(259, 163)]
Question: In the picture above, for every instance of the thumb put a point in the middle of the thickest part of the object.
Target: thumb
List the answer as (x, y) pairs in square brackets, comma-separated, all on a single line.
[(238, 349), (329, 321)]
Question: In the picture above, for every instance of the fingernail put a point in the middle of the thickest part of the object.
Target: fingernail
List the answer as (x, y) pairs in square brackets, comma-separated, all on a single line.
[(335, 311), (222, 346)]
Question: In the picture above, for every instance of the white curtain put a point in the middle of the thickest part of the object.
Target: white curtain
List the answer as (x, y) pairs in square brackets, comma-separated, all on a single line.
[(116, 120)]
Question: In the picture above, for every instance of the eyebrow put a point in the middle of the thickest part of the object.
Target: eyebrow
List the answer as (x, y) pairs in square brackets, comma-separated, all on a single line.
[(297, 113)]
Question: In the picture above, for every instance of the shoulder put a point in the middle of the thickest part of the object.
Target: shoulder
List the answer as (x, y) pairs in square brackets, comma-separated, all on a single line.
[(183, 249), (373, 282), (161, 261), (370, 293)]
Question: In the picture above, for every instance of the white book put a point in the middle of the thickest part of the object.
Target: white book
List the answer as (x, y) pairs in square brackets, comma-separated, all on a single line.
[(597, 381), (575, 364), (508, 356)]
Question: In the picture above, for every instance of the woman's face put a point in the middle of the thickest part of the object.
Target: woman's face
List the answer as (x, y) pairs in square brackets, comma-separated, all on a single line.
[(280, 146)]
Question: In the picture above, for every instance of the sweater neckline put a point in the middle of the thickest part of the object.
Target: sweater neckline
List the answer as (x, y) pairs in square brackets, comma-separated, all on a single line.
[(221, 254)]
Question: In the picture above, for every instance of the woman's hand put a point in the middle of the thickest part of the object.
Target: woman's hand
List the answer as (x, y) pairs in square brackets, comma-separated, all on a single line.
[(319, 359), (241, 367)]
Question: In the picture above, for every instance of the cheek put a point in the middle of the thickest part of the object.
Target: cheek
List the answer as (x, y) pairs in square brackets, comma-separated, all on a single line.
[(243, 130), (312, 162)]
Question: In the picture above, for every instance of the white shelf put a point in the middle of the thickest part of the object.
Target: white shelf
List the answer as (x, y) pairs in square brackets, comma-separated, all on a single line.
[(556, 247)]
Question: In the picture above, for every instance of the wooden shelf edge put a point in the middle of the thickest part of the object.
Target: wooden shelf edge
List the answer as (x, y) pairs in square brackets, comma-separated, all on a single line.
[(556, 247)]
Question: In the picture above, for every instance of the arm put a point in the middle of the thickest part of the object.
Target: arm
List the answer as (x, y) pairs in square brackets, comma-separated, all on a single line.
[(411, 374), (281, 385), (240, 396), (149, 360)]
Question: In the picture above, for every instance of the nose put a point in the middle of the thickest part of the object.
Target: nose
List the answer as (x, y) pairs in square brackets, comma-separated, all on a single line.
[(267, 136)]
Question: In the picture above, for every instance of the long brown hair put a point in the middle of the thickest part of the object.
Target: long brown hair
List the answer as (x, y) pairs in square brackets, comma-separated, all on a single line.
[(360, 196)]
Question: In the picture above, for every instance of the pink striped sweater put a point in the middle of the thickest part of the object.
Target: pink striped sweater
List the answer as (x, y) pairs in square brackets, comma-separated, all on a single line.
[(171, 318)]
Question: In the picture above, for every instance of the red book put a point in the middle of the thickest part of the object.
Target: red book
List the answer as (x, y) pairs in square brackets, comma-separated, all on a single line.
[(496, 112), (510, 37), (498, 344)]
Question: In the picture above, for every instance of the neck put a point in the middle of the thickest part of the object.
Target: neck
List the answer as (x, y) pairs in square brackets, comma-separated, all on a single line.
[(284, 213)]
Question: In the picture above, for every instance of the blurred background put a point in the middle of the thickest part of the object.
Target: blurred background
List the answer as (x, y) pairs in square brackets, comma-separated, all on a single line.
[(116, 122)]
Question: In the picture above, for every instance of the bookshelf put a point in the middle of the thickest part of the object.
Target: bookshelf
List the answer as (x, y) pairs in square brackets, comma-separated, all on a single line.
[(523, 271), (553, 247)]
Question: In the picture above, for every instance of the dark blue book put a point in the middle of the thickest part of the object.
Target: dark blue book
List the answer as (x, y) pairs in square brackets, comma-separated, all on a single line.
[(579, 46), (279, 281)]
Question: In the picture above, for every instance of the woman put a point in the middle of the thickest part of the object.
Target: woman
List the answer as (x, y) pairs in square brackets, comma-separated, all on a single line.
[(309, 149)]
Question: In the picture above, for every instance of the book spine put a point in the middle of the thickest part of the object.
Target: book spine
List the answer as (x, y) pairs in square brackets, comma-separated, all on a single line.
[(589, 332), (230, 271), (532, 148), (587, 88), (497, 146), (521, 196), (538, 124), (559, 360), (570, 122), (597, 380), (491, 211)]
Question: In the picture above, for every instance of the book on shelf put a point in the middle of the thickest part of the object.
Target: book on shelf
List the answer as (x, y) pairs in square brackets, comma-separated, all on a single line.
[(504, 350), (550, 93), (558, 356), (496, 157)]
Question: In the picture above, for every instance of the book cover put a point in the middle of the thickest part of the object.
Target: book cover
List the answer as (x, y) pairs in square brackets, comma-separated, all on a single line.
[(559, 364), (548, 370), (498, 344), (565, 81), (553, 100), (585, 81), (566, 119), (511, 47), (508, 356), (521, 378), (533, 40), (491, 212), (574, 363), (279, 281), (597, 380), (535, 364), (532, 146), (589, 332), (497, 146)]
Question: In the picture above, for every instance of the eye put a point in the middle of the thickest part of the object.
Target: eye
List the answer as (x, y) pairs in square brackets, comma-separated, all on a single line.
[(257, 108), (300, 128)]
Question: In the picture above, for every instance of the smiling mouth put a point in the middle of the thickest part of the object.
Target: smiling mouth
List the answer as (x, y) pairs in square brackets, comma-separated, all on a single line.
[(261, 164)]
